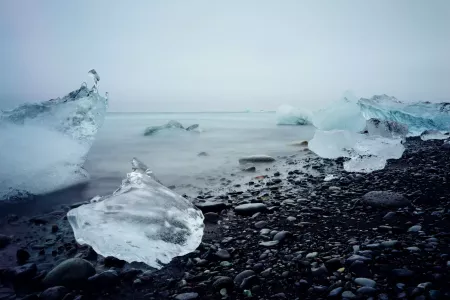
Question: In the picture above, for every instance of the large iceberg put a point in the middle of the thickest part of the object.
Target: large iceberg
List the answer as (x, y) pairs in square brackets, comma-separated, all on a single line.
[(343, 114), (289, 115), (418, 116), (142, 221), (43, 145), (338, 134)]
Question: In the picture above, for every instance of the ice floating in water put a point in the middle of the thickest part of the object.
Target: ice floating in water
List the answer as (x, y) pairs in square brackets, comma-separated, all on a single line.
[(386, 128), (142, 221), (344, 114), (170, 125), (43, 145), (289, 115), (365, 153), (417, 116)]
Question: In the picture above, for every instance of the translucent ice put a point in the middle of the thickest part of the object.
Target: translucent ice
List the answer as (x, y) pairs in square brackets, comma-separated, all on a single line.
[(289, 115), (386, 128), (418, 116), (171, 125), (43, 145), (366, 153), (142, 221), (433, 135), (344, 114)]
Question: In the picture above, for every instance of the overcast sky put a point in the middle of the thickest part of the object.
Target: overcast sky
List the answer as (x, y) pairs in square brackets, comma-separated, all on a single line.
[(224, 55)]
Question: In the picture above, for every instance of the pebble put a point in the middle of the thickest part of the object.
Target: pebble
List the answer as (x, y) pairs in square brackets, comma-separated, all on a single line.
[(53, 293), (269, 243), (415, 228), (250, 208), (402, 273), (260, 224), (365, 282), (312, 255), (222, 282), (186, 296), (72, 271), (335, 292), (223, 254), (241, 276), (104, 280), (348, 295), (366, 291), (280, 236)]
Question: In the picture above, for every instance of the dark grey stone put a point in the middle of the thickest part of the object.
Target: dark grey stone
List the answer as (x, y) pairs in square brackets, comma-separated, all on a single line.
[(385, 199), (71, 272)]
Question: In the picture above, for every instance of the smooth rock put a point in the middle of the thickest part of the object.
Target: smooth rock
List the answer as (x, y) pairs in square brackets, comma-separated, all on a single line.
[(335, 292), (104, 280), (54, 293), (71, 272), (250, 208), (260, 224), (223, 254), (365, 282), (366, 291), (415, 228), (280, 236), (210, 206), (269, 243), (186, 296), (402, 273), (241, 276), (256, 159), (222, 282), (385, 199), (211, 217)]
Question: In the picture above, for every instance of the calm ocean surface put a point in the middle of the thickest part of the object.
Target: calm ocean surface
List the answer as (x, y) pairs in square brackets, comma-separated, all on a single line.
[(173, 154)]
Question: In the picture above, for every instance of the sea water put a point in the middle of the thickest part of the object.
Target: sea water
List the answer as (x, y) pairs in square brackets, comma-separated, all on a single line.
[(173, 154)]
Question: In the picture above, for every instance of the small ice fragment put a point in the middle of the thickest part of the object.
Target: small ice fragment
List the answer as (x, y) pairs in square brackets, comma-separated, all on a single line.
[(329, 177), (94, 76)]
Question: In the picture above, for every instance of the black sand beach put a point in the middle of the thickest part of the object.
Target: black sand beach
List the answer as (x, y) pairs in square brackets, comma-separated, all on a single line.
[(307, 239)]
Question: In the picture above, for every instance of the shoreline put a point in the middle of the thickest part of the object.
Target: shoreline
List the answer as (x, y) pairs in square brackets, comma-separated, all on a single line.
[(304, 244)]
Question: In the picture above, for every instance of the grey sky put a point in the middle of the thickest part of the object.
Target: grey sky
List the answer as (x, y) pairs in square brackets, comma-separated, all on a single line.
[(224, 55)]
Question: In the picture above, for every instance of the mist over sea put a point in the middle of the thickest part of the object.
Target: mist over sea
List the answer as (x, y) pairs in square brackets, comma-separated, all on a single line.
[(172, 154)]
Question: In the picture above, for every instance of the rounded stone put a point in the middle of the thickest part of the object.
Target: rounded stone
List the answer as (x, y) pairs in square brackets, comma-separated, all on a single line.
[(71, 272)]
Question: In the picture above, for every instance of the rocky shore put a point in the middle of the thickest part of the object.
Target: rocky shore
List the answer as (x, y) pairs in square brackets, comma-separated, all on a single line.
[(293, 235)]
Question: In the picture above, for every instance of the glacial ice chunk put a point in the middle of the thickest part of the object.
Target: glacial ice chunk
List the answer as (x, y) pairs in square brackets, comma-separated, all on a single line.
[(366, 153), (173, 125), (344, 114), (43, 145), (142, 221), (333, 144), (433, 135), (418, 116), (289, 115), (386, 128)]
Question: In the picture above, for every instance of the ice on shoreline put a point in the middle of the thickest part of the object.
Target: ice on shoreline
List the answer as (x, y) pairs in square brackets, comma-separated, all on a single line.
[(43, 145), (142, 221)]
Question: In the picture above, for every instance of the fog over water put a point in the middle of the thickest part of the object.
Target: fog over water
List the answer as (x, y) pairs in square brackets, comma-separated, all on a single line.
[(224, 56)]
